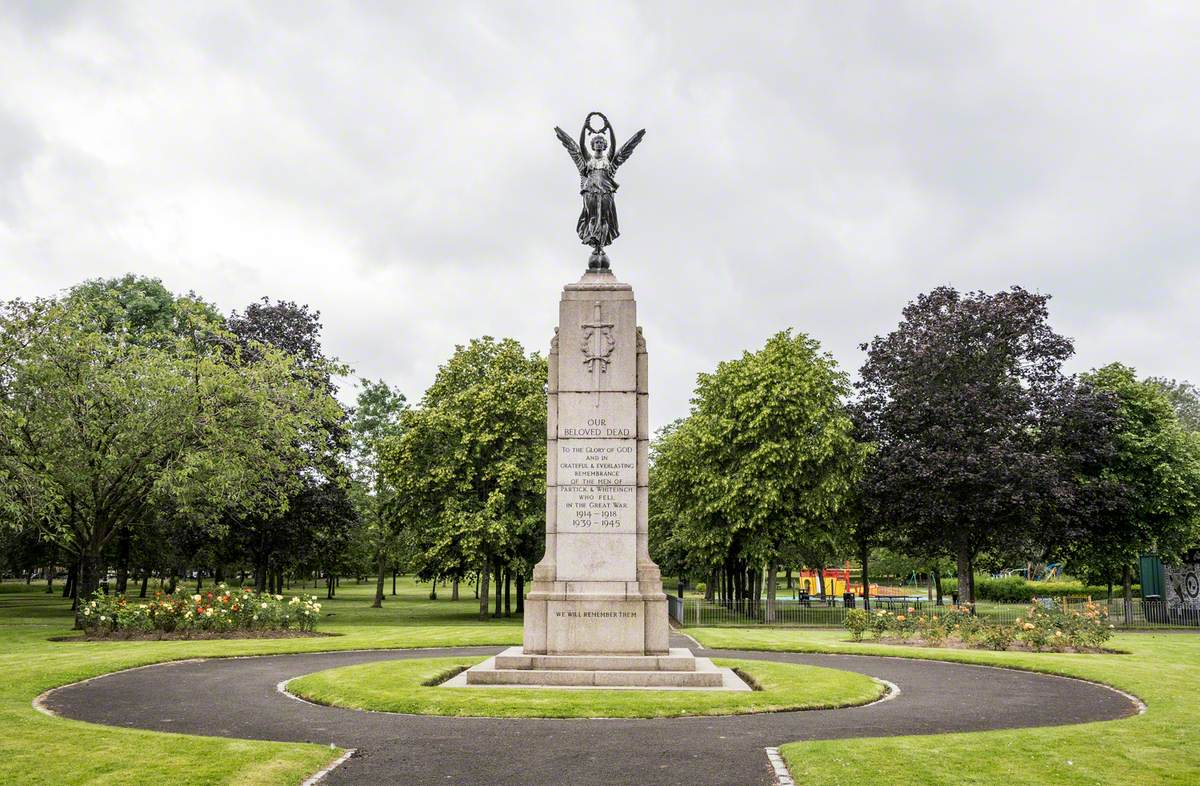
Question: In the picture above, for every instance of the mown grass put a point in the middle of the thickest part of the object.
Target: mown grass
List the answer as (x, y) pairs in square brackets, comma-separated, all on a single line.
[(36, 749), (400, 686), (1157, 747)]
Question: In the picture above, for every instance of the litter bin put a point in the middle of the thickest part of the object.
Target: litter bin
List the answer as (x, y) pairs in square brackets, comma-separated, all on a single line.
[(848, 599)]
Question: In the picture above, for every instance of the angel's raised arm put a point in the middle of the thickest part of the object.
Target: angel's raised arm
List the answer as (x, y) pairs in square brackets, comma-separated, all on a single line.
[(627, 149), (572, 148)]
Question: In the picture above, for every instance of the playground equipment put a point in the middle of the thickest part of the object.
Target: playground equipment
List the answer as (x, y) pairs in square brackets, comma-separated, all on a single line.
[(836, 581)]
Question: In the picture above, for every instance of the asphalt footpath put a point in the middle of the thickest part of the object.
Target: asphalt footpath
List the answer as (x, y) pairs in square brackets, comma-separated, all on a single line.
[(238, 697)]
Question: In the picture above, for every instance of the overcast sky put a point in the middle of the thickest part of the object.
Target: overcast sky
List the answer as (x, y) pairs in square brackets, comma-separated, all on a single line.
[(813, 165)]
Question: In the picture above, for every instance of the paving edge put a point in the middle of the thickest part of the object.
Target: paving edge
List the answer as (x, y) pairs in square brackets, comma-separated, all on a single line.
[(320, 776), (1135, 700), (783, 776)]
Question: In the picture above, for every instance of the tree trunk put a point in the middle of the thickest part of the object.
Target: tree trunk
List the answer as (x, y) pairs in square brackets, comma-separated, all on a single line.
[(1127, 591), (378, 604), (788, 579), (864, 552), (508, 591), (770, 618), (821, 582), (89, 579), (69, 584), (393, 581), (937, 584), (454, 589), (200, 580), (49, 579), (971, 576), (1110, 590), (498, 571), (756, 588), (520, 594), (963, 560), (433, 589), (124, 544), (482, 584), (219, 573), (145, 582), (171, 583)]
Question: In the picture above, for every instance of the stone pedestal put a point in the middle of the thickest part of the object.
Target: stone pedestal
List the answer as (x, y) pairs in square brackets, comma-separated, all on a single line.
[(596, 590), (596, 613)]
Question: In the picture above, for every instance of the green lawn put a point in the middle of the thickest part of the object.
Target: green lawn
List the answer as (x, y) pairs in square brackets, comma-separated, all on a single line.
[(397, 686), (36, 749), (1157, 747)]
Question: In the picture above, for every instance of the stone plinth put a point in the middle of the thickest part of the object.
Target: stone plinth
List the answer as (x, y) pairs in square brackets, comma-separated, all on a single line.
[(596, 615), (596, 590)]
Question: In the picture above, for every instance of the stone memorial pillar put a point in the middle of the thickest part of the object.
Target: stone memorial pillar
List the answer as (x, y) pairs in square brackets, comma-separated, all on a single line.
[(596, 590), (596, 615)]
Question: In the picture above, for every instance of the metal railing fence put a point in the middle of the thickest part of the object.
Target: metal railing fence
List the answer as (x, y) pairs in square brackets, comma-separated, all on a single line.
[(831, 612)]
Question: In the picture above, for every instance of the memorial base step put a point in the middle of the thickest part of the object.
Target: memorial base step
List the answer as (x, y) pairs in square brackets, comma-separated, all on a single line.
[(703, 674)]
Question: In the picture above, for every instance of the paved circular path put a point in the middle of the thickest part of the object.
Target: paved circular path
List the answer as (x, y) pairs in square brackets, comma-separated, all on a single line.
[(238, 698)]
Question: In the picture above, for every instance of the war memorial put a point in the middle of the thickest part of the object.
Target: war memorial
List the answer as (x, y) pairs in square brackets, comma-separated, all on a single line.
[(596, 614)]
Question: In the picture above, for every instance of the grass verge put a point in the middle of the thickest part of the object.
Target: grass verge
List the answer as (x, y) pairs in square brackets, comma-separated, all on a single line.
[(1157, 747), (36, 749), (402, 686)]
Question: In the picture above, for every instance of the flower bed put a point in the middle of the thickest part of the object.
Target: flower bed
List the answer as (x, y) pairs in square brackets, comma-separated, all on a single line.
[(1040, 628), (220, 610)]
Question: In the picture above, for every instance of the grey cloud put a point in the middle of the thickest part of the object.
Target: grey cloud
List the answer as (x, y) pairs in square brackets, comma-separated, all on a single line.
[(805, 165)]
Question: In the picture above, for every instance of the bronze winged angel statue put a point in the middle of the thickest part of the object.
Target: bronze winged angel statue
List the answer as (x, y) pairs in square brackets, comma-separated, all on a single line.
[(597, 225)]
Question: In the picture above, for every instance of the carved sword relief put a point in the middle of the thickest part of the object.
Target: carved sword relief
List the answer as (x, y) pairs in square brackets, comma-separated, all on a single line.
[(597, 346)]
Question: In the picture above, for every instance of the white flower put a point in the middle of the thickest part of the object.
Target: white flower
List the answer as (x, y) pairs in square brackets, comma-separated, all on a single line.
[(103, 618), (87, 612), (196, 598), (278, 597), (265, 605)]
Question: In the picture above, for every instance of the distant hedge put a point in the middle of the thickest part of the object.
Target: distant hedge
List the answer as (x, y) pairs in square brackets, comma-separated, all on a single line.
[(1014, 589)]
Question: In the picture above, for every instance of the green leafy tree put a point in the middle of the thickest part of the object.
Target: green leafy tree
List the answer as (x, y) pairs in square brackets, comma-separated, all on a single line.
[(143, 311), (1184, 398), (95, 427), (765, 461), (271, 537), (1152, 482), (468, 468), (376, 416)]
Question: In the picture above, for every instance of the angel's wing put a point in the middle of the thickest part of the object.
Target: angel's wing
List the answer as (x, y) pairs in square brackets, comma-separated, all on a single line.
[(572, 148), (627, 149)]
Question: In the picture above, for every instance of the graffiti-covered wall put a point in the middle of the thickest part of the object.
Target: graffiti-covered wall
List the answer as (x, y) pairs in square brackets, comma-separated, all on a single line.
[(1183, 585)]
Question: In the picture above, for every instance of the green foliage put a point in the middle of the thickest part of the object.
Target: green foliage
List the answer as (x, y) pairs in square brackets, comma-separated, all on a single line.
[(766, 461), (468, 466), (1015, 589), (1154, 476), (1039, 628), (97, 428), (857, 621)]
